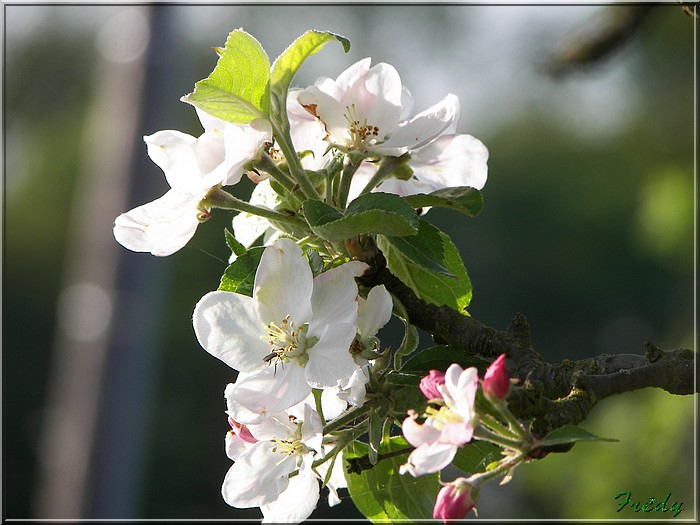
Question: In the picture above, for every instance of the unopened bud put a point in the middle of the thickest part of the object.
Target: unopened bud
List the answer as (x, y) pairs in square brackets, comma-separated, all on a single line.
[(429, 384), (496, 381), (455, 500)]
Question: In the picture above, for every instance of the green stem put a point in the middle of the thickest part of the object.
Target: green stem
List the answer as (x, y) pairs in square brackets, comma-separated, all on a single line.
[(351, 165), (284, 141), (494, 425), (386, 166), (349, 416), (478, 479), (224, 200), (513, 424), (485, 434)]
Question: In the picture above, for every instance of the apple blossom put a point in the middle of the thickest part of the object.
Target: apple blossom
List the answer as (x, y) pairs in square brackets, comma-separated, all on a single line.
[(260, 475), (446, 428), (362, 111), (194, 168), (292, 335)]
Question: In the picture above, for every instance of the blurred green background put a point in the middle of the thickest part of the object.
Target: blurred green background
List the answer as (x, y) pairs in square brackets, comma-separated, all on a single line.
[(110, 407)]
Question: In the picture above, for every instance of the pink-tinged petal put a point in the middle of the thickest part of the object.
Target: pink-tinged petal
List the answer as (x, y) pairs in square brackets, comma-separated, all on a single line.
[(428, 459), (451, 160), (296, 503), (376, 311), (329, 110), (228, 326), (330, 361), (418, 435), (258, 477), (465, 393), (284, 283), (160, 227), (254, 397), (457, 433), (353, 73), (334, 297), (376, 95), (421, 129)]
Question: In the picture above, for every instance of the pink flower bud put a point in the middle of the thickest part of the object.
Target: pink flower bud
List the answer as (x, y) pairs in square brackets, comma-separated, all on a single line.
[(496, 382), (429, 384), (455, 500), (241, 431)]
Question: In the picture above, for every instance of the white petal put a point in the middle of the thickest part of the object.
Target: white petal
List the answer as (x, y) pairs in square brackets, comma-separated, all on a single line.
[(451, 160), (228, 326), (376, 311), (160, 227), (242, 143), (418, 435), (296, 503), (255, 397), (334, 296), (283, 283), (184, 161), (312, 431), (428, 459), (248, 227), (276, 426), (330, 361), (376, 95), (258, 477), (422, 128), (234, 446)]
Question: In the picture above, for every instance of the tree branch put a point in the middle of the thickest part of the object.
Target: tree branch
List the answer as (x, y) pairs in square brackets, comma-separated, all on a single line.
[(548, 394)]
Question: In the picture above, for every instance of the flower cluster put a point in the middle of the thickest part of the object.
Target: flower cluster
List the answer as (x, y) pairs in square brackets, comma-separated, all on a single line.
[(333, 165), (450, 421), (364, 113)]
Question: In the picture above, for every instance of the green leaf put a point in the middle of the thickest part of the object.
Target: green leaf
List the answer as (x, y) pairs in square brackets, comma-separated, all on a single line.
[(382, 494), (408, 397), (382, 213), (463, 199), (569, 434), (398, 378), (425, 249), (440, 358), (239, 277), (455, 292), (315, 262), (236, 247), (287, 64), (238, 88), (476, 456)]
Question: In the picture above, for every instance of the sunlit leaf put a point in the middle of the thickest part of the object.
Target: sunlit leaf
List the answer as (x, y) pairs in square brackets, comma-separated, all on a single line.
[(238, 88), (382, 494)]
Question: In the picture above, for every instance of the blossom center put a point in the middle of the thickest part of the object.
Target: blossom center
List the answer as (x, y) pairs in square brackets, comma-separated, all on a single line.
[(443, 416), (288, 341), (361, 132)]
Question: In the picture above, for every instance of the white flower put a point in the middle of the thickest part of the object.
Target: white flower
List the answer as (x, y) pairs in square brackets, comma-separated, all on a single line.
[(446, 428), (363, 110), (260, 475), (194, 168), (292, 335)]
